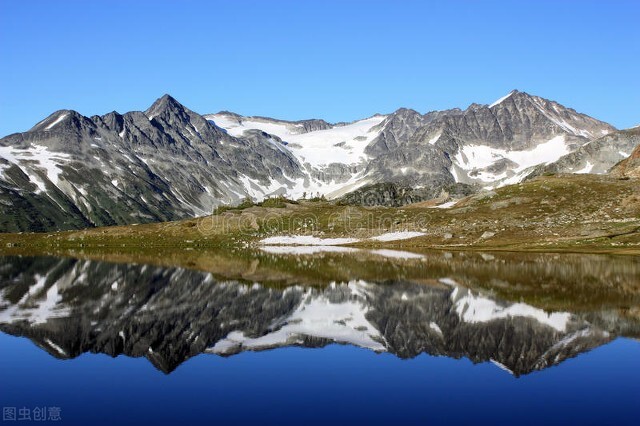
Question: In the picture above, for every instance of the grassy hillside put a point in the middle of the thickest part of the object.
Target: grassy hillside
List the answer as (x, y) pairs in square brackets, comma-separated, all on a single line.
[(587, 213)]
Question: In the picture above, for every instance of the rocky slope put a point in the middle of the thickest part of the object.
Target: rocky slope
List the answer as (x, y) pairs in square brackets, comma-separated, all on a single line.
[(597, 156), (488, 145), (167, 163), (70, 171), (629, 167), (482, 146), (562, 212)]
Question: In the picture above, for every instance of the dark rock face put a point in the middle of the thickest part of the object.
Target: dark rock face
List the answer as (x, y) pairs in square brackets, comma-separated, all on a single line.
[(400, 194), (70, 171), (168, 315), (167, 163), (433, 150), (397, 129)]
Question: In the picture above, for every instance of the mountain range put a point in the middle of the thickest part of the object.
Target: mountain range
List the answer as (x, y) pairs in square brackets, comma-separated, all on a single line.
[(168, 162)]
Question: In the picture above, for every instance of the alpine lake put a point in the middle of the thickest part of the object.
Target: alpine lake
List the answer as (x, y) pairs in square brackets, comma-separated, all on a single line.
[(317, 335)]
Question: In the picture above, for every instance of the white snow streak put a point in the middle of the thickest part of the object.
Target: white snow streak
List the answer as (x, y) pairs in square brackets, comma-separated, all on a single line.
[(395, 236), (446, 205), (502, 99), (586, 169), (57, 120)]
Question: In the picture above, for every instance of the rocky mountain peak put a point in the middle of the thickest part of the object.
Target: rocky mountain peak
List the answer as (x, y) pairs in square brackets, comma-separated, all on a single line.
[(56, 119), (112, 120), (403, 112), (165, 104), (505, 97)]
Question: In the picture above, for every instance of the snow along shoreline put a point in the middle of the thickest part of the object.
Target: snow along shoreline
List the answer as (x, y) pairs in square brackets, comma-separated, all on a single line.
[(308, 240)]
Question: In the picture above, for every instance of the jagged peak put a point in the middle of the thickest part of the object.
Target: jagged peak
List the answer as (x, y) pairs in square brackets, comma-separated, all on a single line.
[(164, 103), (54, 119), (568, 119), (404, 110), (401, 112), (505, 97), (113, 115)]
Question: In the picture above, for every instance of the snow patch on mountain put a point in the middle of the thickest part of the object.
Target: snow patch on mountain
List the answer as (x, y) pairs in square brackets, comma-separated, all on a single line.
[(343, 144), (505, 97), (237, 126), (256, 189), (56, 121), (478, 157), (310, 240), (446, 205), (37, 158), (296, 188), (476, 160), (501, 366), (397, 236), (586, 169), (435, 138)]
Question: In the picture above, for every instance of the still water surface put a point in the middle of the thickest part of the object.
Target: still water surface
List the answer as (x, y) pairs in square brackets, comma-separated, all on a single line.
[(284, 338)]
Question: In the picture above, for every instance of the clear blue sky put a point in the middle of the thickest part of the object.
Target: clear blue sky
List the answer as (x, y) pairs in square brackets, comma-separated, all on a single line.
[(337, 60)]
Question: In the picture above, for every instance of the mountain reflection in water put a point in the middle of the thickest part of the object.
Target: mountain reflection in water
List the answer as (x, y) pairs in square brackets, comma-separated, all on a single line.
[(523, 313)]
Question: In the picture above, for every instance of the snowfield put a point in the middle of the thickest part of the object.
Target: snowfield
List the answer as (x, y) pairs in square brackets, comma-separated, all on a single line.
[(309, 240), (396, 236), (38, 158), (340, 144), (315, 150), (474, 160)]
